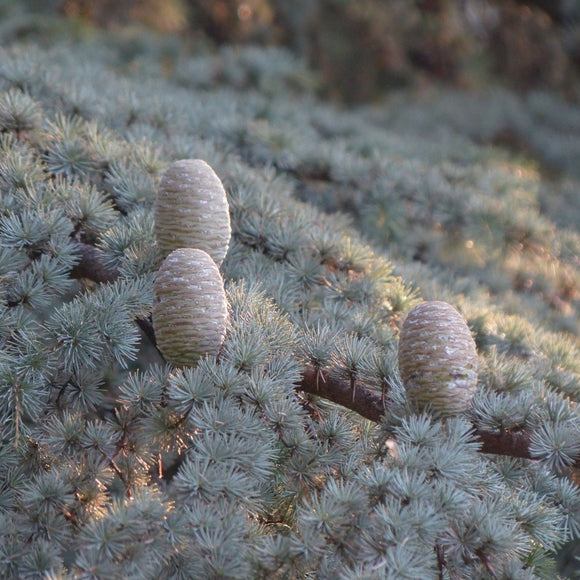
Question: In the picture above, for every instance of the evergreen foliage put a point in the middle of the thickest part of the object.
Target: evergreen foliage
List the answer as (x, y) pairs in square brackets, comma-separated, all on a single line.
[(254, 463)]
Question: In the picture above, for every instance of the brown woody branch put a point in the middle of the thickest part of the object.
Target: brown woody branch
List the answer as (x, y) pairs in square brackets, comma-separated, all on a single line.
[(363, 401), (91, 265), (370, 405)]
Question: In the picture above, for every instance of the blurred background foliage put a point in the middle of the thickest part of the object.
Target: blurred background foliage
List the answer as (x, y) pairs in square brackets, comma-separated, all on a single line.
[(362, 49)]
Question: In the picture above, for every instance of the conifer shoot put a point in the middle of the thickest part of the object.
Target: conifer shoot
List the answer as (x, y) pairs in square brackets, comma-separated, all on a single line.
[(438, 359), (189, 307), (191, 210)]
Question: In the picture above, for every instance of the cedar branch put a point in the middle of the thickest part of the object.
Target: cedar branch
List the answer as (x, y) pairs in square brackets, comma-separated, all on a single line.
[(365, 402), (370, 405), (91, 265)]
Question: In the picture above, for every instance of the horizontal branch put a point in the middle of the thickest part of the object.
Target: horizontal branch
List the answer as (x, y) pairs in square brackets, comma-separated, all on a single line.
[(363, 401), (91, 265), (321, 383), (370, 405)]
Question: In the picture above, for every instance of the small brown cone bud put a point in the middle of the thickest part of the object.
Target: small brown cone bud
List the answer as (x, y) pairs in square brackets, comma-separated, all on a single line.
[(191, 210), (438, 359), (189, 307)]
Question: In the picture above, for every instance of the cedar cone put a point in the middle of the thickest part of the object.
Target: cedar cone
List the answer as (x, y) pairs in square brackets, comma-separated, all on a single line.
[(438, 359)]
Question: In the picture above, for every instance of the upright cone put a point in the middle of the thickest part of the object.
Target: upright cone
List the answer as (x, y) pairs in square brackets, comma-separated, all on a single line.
[(189, 307), (191, 210), (438, 359)]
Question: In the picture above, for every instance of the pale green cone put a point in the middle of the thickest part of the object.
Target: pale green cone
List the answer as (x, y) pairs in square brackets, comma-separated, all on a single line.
[(189, 307), (438, 359), (191, 210)]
